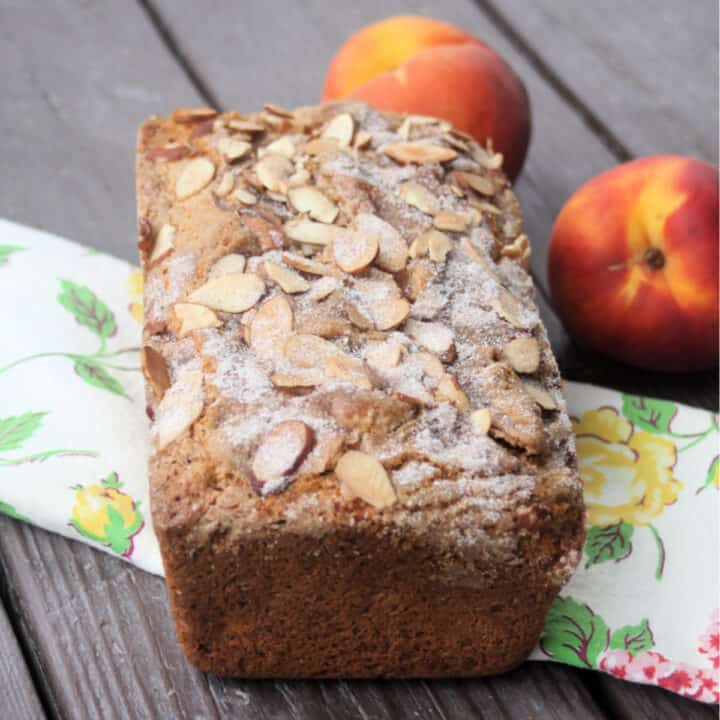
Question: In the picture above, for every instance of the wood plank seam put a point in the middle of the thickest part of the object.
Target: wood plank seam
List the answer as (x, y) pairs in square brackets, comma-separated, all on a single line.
[(594, 123)]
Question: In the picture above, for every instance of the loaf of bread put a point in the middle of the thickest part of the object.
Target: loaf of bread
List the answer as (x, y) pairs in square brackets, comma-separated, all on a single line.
[(363, 465)]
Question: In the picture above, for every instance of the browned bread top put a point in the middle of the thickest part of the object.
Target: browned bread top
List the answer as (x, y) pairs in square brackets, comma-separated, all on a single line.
[(340, 328)]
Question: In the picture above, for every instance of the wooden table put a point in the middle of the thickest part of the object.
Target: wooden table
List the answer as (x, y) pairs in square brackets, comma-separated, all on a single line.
[(83, 635)]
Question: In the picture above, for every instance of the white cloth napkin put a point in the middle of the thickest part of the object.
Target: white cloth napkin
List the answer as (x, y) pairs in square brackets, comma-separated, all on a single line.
[(74, 441)]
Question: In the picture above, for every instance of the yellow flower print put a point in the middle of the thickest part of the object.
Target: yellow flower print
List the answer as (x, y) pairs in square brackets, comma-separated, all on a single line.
[(135, 291), (628, 475)]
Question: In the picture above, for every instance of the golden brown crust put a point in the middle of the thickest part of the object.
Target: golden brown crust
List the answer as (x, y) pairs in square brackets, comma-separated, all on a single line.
[(335, 285)]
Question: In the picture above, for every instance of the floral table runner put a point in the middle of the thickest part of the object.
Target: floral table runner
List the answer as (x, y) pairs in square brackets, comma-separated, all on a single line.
[(642, 606)]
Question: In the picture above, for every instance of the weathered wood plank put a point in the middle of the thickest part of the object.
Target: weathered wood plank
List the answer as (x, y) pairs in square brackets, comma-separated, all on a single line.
[(648, 71), (18, 697)]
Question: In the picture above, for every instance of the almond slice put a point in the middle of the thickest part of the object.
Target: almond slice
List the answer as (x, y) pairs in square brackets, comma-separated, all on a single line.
[(419, 246), (194, 317), (439, 245), (417, 195), (349, 369), (340, 129), (233, 149), (320, 146), (354, 252), (430, 364), (225, 185), (155, 371), (519, 249), (385, 355), (273, 172), (421, 153), (309, 351), (310, 200), (282, 146), (312, 267), (392, 248), (270, 327), (362, 139), (245, 196), (186, 115), (541, 396), (455, 222), (523, 354), (281, 452), (313, 233), (180, 407), (481, 421), (171, 152), (507, 307), (230, 263), (195, 175), (322, 288), (278, 110), (164, 245), (290, 281), (363, 476), (234, 292), (388, 314), (247, 126), (437, 338), (479, 183), (310, 378), (449, 389)]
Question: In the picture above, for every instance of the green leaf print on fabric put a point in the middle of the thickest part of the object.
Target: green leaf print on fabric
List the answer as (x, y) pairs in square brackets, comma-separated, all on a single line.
[(713, 475), (608, 543), (93, 373), (633, 638), (16, 429), (7, 250), (87, 309), (573, 633), (576, 635), (7, 509), (651, 415)]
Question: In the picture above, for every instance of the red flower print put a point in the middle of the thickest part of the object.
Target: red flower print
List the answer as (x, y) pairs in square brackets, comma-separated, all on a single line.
[(709, 641)]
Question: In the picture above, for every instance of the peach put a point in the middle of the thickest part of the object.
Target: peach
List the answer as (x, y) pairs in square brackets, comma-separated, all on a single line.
[(427, 67), (633, 264)]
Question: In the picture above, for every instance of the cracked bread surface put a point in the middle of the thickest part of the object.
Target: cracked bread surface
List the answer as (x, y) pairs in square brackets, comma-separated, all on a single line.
[(363, 463)]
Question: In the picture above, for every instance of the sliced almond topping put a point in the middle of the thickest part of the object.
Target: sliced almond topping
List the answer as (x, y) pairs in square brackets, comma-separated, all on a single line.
[(523, 354), (245, 196), (449, 389), (417, 195), (194, 317), (507, 307), (298, 178), (281, 452), (273, 172), (474, 253), (341, 129), (320, 146), (171, 152), (363, 476), (230, 263), (392, 248), (180, 407), (420, 245), (480, 183), (247, 126), (384, 355), (439, 245), (195, 175), (155, 371), (481, 421), (358, 317), (362, 139), (433, 336), (491, 161), (310, 200), (430, 365), (290, 281), (322, 288), (309, 378), (519, 249), (282, 146), (349, 369), (446, 220), (225, 185), (234, 292), (313, 233), (421, 153), (354, 252), (389, 313), (309, 351), (233, 149), (278, 110), (164, 244), (312, 267), (541, 396), (191, 115), (270, 327)]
